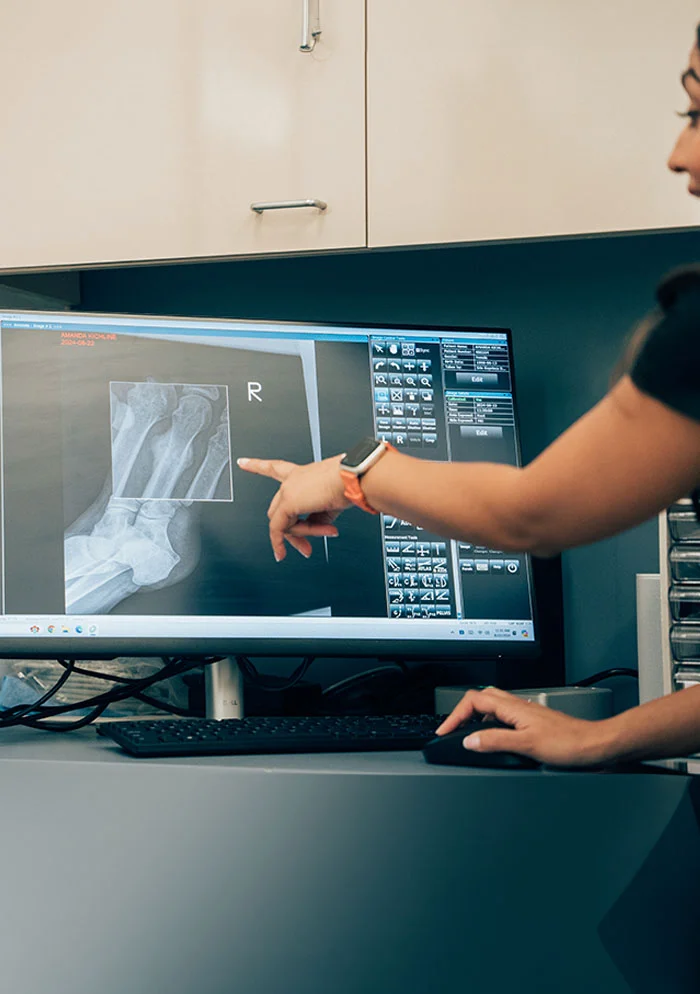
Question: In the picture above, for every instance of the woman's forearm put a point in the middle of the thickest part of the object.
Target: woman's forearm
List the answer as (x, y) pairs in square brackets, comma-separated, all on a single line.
[(577, 491), (482, 502), (669, 726)]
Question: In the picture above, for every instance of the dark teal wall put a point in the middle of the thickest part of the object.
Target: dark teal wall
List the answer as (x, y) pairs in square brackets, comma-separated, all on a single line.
[(569, 303)]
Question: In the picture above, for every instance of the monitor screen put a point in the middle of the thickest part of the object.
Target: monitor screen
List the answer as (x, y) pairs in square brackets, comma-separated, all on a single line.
[(128, 528)]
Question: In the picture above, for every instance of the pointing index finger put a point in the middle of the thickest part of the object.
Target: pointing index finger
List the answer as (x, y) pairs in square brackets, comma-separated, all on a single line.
[(276, 469)]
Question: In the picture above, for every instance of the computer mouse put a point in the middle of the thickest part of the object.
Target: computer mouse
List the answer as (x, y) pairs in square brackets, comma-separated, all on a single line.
[(447, 750)]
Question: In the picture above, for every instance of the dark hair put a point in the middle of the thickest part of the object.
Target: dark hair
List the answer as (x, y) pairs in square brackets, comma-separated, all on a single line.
[(640, 332)]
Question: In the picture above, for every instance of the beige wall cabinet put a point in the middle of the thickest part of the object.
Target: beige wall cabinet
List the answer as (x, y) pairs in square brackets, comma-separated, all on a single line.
[(144, 129), (504, 119)]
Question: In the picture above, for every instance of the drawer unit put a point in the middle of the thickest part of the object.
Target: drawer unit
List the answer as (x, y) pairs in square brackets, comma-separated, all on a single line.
[(679, 561), (685, 645), (684, 602), (683, 524), (687, 675), (684, 563)]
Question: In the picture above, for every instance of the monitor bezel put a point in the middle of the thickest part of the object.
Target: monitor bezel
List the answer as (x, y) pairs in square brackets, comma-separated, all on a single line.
[(110, 647)]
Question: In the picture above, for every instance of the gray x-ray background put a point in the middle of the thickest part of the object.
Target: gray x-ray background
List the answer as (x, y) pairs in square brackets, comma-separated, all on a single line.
[(174, 536), (58, 409), (170, 447)]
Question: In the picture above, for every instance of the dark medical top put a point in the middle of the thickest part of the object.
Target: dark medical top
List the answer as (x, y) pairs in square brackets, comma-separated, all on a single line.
[(668, 364)]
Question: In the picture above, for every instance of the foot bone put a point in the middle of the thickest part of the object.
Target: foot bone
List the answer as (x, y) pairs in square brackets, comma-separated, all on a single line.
[(203, 486), (147, 404), (173, 452)]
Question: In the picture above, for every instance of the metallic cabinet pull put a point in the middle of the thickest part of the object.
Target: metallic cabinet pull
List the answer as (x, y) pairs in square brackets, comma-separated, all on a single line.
[(283, 205), (310, 25)]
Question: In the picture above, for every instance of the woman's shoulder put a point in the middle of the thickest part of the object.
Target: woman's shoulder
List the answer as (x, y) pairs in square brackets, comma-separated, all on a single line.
[(667, 363)]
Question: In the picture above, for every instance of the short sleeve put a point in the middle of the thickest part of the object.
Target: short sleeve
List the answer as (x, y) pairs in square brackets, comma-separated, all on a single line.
[(667, 366)]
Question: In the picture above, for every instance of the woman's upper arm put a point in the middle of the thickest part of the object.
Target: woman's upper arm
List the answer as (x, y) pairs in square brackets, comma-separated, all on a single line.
[(621, 463)]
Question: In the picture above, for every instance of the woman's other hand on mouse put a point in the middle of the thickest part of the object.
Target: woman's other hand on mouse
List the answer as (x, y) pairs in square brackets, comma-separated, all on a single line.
[(538, 732)]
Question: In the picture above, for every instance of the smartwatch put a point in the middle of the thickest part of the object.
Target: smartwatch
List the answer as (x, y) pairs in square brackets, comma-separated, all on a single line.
[(356, 462)]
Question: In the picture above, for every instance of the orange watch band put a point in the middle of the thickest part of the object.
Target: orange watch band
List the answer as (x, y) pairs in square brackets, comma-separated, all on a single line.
[(352, 488)]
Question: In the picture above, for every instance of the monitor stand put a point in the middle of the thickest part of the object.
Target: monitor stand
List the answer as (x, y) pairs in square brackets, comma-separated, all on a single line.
[(223, 685)]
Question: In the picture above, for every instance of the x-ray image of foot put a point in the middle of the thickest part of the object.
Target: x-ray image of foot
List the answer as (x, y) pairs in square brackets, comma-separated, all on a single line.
[(170, 441), (170, 451), (120, 545)]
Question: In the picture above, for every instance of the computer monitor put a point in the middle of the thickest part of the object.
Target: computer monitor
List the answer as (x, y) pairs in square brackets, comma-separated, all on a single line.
[(128, 529)]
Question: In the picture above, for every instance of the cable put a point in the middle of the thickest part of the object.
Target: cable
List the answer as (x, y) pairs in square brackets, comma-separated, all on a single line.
[(128, 687), (18, 711), (96, 675), (357, 679), (144, 698), (252, 675), (34, 715), (256, 680), (65, 726), (166, 706), (171, 668), (606, 675)]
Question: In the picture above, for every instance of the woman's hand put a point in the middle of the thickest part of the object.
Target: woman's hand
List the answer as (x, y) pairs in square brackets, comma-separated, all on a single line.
[(314, 491), (538, 732)]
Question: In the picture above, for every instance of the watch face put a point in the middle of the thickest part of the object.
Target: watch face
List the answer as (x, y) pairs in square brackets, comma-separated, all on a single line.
[(358, 453)]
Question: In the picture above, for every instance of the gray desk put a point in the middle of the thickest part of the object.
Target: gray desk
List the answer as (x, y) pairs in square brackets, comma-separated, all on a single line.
[(365, 874)]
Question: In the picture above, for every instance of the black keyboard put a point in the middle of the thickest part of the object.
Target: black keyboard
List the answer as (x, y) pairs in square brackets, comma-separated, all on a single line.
[(203, 737)]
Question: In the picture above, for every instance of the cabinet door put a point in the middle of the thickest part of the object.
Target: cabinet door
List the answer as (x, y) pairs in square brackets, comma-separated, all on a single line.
[(144, 129), (504, 119)]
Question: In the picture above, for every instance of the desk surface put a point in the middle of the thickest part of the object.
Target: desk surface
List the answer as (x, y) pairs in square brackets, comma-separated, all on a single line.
[(338, 874), (86, 746)]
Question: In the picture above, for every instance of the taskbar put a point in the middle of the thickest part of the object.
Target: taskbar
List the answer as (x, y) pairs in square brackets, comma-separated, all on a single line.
[(264, 628)]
